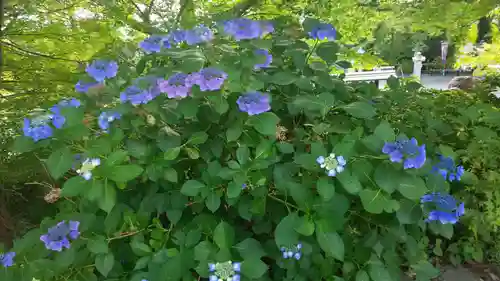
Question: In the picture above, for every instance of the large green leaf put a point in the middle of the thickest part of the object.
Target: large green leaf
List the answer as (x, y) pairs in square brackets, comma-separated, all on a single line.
[(125, 173), (265, 123), (59, 162), (224, 235), (104, 263), (191, 187), (360, 109), (331, 243), (285, 234)]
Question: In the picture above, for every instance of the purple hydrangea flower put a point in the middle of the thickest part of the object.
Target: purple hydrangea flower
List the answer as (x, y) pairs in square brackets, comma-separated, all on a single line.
[(84, 87), (87, 166), (447, 169), (37, 130), (254, 103), (242, 28), (198, 35), (175, 86), (102, 69), (153, 44), (323, 31), (57, 237), (209, 79), (269, 59), (332, 164), (446, 209), (406, 151), (7, 259), (107, 117)]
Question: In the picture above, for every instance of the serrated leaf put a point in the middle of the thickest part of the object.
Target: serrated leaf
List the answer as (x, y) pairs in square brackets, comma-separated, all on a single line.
[(171, 153), (331, 243), (326, 188), (125, 173), (265, 123), (360, 109), (224, 235)]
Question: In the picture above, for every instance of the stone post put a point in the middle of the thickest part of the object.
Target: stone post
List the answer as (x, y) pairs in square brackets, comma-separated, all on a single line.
[(418, 60)]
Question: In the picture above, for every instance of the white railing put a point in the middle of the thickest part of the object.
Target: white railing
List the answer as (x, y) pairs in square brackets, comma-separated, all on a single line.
[(379, 75)]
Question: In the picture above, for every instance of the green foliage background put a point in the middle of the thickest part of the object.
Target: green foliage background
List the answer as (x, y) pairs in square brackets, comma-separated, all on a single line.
[(168, 200)]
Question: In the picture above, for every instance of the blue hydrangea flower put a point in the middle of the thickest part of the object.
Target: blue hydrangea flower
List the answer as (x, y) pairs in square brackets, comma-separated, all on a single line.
[(135, 95), (153, 44), (269, 59), (445, 208), (209, 79), (226, 271), (105, 118), (7, 259), (38, 129), (198, 35), (84, 87), (178, 36), (242, 28), (102, 69), (58, 119), (406, 151), (294, 252), (175, 86), (332, 164), (254, 103), (447, 169), (87, 166), (57, 236), (323, 31)]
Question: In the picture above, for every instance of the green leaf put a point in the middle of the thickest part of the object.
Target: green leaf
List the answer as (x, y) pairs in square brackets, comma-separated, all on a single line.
[(234, 132), (203, 250), (140, 248), (250, 248), (125, 173), (234, 189), (170, 174), (284, 78), (104, 263), (328, 51), (385, 132), (326, 188), (116, 157), (198, 138), (23, 144), (386, 177), (191, 187), (253, 268), (360, 109), (265, 123), (243, 154), (331, 243), (142, 263), (373, 201), (305, 226), (75, 186), (285, 234), (285, 147), (409, 212), (224, 235), (98, 245), (379, 273), (171, 153), (192, 152), (213, 201), (412, 187), (349, 182), (362, 276), (108, 199), (59, 162), (425, 270)]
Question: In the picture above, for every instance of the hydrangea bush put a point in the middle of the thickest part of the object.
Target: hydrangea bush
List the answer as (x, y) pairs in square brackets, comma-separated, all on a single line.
[(230, 153)]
